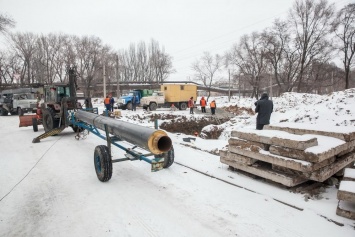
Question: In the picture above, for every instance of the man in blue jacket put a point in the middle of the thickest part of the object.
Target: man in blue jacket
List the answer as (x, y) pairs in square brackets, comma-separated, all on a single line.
[(264, 108)]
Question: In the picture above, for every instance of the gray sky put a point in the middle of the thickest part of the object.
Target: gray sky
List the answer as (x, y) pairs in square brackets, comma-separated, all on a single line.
[(186, 28)]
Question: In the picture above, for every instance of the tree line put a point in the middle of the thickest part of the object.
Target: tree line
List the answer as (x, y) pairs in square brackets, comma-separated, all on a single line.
[(295, 54), (45, 59)]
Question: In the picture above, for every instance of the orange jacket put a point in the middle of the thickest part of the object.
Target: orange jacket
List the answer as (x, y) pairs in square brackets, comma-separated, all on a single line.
[(203, 102), (213, 104), (107, 101)]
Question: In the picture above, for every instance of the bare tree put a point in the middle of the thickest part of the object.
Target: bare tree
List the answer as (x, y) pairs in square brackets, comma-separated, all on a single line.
[(24, 44), (344, 29), (310, 20), (283, 60), (6, 22), (249, 57), (206, 69)]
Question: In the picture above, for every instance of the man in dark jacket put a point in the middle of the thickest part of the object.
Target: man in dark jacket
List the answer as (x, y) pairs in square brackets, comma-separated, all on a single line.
[(264, 108)]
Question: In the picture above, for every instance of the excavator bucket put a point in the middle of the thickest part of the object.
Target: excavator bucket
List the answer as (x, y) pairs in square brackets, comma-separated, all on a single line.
[(26, 120)]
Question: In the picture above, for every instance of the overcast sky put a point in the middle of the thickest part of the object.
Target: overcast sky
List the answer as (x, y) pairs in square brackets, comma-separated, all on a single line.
[(186, 28)]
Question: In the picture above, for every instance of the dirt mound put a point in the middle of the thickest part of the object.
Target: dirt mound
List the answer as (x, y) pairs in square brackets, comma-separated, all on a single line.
[(239, 110), (182, 124)]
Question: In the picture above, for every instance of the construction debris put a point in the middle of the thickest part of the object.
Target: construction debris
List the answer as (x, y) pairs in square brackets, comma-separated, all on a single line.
[(291, 154), (346, 195)]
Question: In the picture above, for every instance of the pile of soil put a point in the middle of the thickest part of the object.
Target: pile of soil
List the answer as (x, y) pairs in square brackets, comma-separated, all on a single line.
[(239, 110)]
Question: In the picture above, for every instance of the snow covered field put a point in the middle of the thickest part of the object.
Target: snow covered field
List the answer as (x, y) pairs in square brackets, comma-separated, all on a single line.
[(51, 189)]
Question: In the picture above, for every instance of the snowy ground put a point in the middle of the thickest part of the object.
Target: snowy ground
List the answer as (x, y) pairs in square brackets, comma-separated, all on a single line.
[(51, 189)]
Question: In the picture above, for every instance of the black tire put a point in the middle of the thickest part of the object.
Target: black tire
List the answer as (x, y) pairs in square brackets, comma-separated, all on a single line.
[(4, 112), (35, 124), (49, 121), (152, 106), (103, 163), (129, 106), (183, 106), (168, 158), (20, 112), (77, 129)]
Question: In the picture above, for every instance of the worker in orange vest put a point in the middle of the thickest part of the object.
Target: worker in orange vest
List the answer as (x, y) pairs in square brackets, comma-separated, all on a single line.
[(107, 103), (213, 107), (203, 104)]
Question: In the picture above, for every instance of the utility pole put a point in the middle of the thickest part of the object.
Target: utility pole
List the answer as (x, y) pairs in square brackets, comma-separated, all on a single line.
[(104, 74), (229, 86), (118, 78)]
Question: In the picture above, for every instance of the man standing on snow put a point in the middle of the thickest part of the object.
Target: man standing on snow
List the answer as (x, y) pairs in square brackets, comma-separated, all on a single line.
[(213, 107), (203, 104), (264, 108), (191, 105)]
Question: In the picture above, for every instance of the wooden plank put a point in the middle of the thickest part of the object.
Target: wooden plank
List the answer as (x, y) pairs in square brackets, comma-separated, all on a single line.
[(226, 155), (267, 173), (346, 133), (286, 162), (279, 138)]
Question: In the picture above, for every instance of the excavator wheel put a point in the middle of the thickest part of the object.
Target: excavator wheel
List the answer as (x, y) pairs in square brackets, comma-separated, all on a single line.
[(49, 122), (103, 163)]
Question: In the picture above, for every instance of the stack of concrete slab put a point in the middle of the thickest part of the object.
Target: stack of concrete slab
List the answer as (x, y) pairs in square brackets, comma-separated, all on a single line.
[(346, 195), (291, 153)]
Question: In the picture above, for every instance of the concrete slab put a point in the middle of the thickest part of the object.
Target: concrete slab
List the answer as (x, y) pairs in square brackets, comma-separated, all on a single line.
[(346, 133), (267, 173), (286, 162), (234, 141), (346, 191), (349, 174), (279, 138), (324, 150), (346, 209), (326, 172), (228, 156)]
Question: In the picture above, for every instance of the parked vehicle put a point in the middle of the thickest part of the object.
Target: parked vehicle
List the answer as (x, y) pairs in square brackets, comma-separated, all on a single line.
[(125, 102), (18, 101), (177, 94)]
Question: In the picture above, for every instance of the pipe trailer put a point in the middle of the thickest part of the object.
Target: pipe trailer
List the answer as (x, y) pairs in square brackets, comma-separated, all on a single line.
[(160, 152)]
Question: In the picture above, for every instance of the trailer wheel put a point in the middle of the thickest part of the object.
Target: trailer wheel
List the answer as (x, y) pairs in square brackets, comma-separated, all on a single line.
[(35, 124), (168, 158), (103, 163), (152, 106), (183, 106)]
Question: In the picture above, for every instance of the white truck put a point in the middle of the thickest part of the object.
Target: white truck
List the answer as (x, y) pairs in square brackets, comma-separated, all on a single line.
[(15, 102)]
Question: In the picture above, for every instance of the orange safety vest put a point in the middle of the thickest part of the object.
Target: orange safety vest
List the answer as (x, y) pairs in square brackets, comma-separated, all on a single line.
[(107, 101), (213, 104), (203, 102)]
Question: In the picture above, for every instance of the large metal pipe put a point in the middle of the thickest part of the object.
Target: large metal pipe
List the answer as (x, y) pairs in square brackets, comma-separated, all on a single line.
[(156, 141)]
